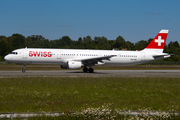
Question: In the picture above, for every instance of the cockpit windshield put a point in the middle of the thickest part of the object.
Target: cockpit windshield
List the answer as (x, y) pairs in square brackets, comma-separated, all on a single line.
[(15, 53)]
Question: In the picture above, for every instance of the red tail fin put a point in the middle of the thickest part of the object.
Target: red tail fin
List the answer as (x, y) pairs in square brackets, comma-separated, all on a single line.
[(158, 42)]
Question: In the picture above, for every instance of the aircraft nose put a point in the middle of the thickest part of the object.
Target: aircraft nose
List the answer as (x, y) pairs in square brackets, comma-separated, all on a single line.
[(6, 58)]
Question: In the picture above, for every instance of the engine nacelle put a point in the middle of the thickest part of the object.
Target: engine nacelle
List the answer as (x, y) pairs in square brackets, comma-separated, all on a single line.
[(100, 63), (64, 66), (72, 65)]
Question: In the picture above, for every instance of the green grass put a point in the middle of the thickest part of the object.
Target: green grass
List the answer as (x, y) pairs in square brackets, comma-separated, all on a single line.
[(37, 94)]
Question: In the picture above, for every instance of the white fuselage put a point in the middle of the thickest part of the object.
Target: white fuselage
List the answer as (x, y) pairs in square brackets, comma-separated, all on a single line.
[(75, 59), (62, 56)]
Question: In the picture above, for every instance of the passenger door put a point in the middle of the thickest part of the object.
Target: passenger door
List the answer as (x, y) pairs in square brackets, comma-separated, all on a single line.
[(58, 54), (24, 54)]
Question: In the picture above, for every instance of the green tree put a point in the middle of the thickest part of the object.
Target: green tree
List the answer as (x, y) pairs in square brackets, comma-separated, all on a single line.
[(119, 42), (140, 45), (67, 40), (53, 44), (129, 45), (17, 41), (87, 42), (87, 39), (97, 40), (37, 41), (5, 46), (173, 44), (80, 40), (64, 42), (149, 40)]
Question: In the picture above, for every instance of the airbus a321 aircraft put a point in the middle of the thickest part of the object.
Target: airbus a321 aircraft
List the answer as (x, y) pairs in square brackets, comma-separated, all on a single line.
[(75, 59)]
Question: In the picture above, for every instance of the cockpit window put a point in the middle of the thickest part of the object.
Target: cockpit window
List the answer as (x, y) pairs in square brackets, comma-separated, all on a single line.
[(15, 53)]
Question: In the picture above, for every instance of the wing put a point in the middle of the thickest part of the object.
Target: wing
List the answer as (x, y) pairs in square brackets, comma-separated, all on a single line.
[(94, 60)]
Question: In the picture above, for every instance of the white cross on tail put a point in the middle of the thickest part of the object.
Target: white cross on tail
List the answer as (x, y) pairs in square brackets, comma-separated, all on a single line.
[(159, 40)]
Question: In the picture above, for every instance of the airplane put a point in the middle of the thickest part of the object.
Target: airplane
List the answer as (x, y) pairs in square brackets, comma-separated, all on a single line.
[(78, 58)]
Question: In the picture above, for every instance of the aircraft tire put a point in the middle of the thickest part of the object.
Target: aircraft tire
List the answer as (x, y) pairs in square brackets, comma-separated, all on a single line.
[(85, 69), (91, 70), (23, 70)]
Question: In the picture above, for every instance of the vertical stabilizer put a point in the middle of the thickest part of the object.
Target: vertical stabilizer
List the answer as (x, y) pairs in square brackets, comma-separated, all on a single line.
[(158, 43)]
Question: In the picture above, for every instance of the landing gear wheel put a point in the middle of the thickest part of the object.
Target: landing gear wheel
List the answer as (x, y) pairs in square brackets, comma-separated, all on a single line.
[(23, 70), (85, 69), (91, 70)]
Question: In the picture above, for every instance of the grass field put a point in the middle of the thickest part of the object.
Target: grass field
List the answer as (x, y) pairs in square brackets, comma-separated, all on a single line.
[(37, 94)]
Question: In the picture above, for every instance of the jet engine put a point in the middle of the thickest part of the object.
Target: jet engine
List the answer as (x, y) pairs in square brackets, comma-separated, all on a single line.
[(72, 65), (100, 63)]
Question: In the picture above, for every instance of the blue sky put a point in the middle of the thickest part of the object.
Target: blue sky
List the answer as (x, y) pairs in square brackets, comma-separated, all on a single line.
[(132, 19)]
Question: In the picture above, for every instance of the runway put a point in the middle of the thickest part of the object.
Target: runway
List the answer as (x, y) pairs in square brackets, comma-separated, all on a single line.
[(97, 73)]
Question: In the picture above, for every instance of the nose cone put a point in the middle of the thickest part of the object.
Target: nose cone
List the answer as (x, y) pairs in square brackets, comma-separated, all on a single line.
[(6, 58)]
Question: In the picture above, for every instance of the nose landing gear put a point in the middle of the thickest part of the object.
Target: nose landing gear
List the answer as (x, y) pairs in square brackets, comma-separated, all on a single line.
[(24, 69)]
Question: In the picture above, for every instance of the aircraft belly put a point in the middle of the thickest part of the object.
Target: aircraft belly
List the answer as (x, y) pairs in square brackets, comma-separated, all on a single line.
[(45, 61), (123, 61)]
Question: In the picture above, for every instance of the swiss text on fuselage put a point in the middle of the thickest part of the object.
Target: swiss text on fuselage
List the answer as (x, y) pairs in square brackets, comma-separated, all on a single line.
[(40, 54)]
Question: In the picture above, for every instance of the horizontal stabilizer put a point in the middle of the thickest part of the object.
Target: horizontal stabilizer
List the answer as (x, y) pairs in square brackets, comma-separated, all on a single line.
[(162, 54)]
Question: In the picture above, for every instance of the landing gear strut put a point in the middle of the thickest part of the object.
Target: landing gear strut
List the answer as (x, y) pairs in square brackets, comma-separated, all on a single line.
[(24, 69), (91, 70)]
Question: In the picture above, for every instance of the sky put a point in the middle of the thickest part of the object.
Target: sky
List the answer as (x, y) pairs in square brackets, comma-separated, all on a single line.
[(134, 20)]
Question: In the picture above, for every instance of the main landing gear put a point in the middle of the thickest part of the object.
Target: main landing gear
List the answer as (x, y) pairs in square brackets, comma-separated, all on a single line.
[(24, 69), (91, 70)]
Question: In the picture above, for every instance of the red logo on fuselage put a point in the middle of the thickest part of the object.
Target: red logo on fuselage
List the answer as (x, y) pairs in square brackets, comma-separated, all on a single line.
[(40, 54)]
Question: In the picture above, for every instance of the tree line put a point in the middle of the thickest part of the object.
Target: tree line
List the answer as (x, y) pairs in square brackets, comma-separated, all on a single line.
[(7, 44)]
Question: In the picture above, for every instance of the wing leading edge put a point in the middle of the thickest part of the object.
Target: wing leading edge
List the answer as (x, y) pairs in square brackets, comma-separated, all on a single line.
[(94, 60)]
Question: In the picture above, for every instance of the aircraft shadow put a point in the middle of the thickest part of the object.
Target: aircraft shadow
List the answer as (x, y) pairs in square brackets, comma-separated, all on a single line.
[(86, 73)]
